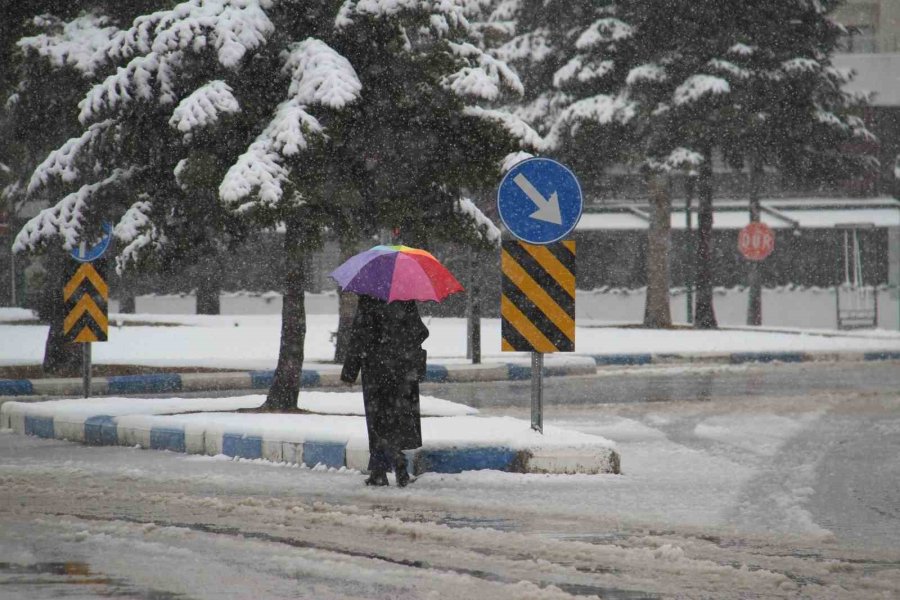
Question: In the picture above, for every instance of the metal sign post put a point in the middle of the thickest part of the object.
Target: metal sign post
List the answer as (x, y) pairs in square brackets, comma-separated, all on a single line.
[(540, 202), (537, 392), (86, 369)]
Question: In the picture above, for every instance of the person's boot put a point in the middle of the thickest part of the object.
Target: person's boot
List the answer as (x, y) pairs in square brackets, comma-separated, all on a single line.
[(401, 472), (377, 478)]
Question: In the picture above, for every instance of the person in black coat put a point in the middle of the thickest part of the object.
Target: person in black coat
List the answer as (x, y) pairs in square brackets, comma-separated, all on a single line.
[(386, 344)]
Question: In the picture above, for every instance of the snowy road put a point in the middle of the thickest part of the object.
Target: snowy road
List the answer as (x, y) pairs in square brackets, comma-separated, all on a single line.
[(680, 382), (738, 495)]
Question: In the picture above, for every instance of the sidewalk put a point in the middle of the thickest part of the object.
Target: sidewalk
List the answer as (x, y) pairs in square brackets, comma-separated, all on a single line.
[(332, 435)]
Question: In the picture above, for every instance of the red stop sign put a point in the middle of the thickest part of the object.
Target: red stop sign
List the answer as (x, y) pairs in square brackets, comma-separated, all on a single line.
[(756, 241)]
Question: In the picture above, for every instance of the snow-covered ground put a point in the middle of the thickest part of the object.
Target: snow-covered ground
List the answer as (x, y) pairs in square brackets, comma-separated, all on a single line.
[(251, 341), (787, 306), (728, 499)]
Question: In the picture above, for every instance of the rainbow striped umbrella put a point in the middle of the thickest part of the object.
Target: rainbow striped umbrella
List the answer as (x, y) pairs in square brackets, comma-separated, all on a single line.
[(396, 273)]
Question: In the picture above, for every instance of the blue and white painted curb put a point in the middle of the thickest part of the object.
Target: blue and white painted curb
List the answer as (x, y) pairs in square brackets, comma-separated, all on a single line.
[(737, 358), (157, 383), (159, 432), (436, 373)]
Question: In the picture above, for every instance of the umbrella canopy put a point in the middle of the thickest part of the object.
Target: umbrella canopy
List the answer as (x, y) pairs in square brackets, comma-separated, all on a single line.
[(396, 273)]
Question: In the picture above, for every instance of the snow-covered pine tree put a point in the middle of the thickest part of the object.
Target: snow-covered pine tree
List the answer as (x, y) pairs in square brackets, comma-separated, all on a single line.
[(51, 66), (426, 127), (634, 79), (789, 108), (259, 98)]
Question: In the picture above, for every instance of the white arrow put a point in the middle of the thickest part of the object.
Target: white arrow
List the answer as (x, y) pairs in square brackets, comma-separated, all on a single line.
[(548, 210)]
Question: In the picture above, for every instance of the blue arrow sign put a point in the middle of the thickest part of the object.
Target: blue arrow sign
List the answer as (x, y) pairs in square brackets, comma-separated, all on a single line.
[(96, 251), (539, 201)]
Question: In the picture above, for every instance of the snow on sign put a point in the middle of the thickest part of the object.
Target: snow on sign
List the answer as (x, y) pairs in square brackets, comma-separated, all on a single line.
[(756, 241), (539, 201)]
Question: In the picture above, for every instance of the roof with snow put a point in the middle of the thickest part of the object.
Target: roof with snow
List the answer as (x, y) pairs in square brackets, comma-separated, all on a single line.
[(799, 213)]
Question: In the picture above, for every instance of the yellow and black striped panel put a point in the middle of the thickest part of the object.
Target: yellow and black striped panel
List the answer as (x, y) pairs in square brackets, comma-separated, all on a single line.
[(537, 309), (86, 297)]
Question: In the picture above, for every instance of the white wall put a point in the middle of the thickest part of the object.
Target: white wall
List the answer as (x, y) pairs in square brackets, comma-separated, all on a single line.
[(808, 308)]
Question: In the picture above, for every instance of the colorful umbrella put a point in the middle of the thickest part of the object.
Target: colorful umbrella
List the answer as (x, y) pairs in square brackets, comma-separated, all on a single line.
[(396, 273)]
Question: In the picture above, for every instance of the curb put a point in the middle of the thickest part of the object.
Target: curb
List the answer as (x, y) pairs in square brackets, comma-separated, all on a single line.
[(157, 383), (155, 433), (436, 373), (738, 358)]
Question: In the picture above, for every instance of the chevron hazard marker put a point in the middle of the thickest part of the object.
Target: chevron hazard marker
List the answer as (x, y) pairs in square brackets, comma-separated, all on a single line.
[(87, 297), (537, 308)]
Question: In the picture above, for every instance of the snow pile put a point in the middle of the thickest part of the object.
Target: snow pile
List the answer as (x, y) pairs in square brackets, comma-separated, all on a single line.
[(326, 403)]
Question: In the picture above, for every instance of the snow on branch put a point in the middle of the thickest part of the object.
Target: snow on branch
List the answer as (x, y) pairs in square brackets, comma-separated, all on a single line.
[(603, 31), (522, 131), (646, 73), (137, 231), (203, 107), (64, 218), (742, 50), (801, 65), (696, 87), (445, 14), (159, 41), (488, 230), (319, 75), (81, 43), (261, 169), (134, 80), (483, 81), (679, 159), (602, 109), (584, 70), (533, 47), (61, 162), (512, 160), (233, 27), (728, 67)]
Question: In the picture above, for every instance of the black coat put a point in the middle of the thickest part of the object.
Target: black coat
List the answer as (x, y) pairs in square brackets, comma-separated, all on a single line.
[(386, 345)]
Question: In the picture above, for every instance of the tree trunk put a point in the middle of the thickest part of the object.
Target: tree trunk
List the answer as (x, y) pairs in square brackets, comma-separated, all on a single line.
[(61, 358), (657, 313), (127, 303), (704, 314), (209, 287), (346, 308), (754, 304), (286, 384)]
